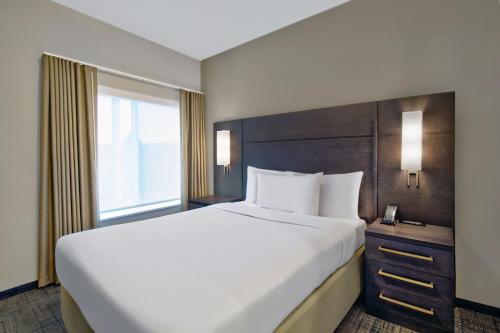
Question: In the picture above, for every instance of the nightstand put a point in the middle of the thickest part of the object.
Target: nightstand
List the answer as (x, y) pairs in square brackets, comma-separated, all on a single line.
[(210, 200), (410, 275)]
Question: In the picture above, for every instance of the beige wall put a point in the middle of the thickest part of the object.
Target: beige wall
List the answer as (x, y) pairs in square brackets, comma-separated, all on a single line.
[(369, 50), (28, 28)]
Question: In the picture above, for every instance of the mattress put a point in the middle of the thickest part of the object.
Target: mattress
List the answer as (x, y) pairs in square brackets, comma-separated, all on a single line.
[(225, 268)]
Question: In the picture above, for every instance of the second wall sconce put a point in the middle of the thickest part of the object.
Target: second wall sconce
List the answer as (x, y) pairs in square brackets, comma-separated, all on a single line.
[(411, 144), (224, 149)]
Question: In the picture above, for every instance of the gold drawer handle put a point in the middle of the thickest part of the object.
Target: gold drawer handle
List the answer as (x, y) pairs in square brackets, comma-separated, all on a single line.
[(406, 254), (429, 285), (429, 312)]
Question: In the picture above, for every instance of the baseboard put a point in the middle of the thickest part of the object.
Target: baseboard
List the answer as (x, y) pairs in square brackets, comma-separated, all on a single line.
[(478, 307), (18, 290)]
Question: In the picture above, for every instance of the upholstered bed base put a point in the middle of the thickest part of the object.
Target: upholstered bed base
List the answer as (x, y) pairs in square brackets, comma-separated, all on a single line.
[(321, 312)]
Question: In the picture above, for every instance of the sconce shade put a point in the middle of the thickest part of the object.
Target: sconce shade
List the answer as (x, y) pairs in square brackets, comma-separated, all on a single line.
[(223, 148), (411, 141)]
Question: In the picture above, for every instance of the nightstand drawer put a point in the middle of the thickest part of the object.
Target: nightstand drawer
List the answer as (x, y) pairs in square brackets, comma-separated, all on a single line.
[(421, 310), (385, 275), (415, 257)]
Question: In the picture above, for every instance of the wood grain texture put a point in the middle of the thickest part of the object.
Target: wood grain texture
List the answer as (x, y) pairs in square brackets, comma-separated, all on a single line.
[(230, 183), (429, 235), (431, 241), (441, 321), (443, 288), (333, 140), (365, 136), (434, 201), (443, 263), (338, 155), (339, 121)]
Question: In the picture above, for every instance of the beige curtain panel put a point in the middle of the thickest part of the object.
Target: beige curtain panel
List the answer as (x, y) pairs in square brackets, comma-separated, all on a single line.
[(194, 160), (68, 199)]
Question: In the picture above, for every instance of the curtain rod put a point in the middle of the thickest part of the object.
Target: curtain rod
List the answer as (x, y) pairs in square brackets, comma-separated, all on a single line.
[(124, 74)]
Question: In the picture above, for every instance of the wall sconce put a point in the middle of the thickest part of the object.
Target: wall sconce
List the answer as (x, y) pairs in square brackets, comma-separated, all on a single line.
[(224, 149), (411, 144)]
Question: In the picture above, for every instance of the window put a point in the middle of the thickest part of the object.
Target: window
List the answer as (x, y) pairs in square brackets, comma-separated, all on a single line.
[(138, 153)]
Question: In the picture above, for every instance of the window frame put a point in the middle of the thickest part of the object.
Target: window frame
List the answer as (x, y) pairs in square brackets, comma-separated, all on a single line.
[(151, 209), (150, 214)]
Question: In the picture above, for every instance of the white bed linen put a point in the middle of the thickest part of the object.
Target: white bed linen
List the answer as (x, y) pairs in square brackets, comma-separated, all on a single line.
[(225, 268), (292, 194)]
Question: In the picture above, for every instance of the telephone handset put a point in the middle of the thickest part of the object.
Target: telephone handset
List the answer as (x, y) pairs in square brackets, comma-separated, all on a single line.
[(390, 215)]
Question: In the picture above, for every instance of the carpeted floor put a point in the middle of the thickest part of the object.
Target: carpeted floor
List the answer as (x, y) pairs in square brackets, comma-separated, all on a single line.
[(38, 311), (33, 311), (465, 321)]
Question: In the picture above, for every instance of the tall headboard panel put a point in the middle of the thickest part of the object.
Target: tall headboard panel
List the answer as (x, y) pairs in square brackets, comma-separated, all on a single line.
[(434, 201), (360, 137), (333, 140)]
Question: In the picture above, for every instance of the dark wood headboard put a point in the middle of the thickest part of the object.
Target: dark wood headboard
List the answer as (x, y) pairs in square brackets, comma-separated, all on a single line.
[(360, 137), (434, 201)]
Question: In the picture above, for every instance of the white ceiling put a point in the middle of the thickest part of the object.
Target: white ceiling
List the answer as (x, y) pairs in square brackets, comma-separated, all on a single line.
[(200, 28)]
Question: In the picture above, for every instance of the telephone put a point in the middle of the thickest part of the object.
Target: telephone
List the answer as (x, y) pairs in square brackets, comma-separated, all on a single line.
[(390, 215)]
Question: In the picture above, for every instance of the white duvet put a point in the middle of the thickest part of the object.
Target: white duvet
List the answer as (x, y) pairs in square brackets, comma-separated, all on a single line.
[(225, 268)]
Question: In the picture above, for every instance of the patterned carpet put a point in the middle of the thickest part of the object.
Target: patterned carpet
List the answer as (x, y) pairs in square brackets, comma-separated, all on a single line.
[(465, 321), (38, 311), (33, 311)]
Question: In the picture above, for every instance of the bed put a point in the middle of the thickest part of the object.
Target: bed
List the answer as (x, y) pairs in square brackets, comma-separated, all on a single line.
[(244, 268), (271, 271), (251, 270)]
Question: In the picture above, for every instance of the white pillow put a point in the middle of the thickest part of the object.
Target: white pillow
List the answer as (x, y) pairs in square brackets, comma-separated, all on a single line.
[(289, 193), (339, 196), (252, 172)]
